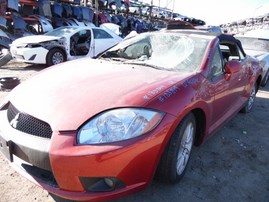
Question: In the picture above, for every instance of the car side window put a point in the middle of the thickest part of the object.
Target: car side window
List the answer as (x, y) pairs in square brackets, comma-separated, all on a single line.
[(241, 55), (101, 34), (231, 51), (216, 65), (141, 48), (80, 43)]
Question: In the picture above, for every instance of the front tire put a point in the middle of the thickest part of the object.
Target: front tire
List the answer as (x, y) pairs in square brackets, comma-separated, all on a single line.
[(176, 156), (55, 56)]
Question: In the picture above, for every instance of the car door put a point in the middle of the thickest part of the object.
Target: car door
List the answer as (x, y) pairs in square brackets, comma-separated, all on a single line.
[(102, 41), (218, 88), (239, 80), (227, 93), (81, 43)]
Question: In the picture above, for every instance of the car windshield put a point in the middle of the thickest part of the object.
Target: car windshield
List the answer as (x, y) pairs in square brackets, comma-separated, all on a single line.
[(255, 44), (169, 51), (61, 31)]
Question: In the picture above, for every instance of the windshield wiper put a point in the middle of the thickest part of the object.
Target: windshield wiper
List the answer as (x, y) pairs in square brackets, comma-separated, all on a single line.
[(110, 54), (118, 59), (144, 64)]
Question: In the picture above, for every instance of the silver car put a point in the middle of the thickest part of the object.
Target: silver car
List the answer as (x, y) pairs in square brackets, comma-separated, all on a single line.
[(257, 47)]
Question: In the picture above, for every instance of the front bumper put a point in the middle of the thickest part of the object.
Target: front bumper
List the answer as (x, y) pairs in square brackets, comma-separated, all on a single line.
[(29, 55), (86, 172)]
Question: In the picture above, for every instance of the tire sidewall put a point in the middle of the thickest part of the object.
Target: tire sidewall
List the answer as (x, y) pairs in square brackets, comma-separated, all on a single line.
[(265, 80), (176, 141), (247, 109)]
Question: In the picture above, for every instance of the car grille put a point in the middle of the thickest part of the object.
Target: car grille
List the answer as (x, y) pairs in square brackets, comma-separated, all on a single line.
[(28, 124)]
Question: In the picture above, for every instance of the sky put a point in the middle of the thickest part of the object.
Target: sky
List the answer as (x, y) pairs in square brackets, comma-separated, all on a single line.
[(216, 12)]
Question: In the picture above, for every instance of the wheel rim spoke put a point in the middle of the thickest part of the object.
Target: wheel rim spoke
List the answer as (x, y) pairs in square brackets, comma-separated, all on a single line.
[(57, 58), (185, 148), (251, 98)]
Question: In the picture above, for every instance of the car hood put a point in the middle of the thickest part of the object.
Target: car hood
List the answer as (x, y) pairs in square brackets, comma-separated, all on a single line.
[(34, 39), (68, 95)]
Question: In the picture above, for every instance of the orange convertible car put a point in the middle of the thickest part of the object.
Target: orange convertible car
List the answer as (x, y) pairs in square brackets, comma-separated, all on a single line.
[(98, 129)]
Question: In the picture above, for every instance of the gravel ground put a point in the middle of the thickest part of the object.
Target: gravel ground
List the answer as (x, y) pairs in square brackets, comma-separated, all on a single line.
[(233, 165)]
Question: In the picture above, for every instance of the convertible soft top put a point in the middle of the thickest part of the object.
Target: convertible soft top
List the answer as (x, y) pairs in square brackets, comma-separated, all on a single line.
[(227, 38)]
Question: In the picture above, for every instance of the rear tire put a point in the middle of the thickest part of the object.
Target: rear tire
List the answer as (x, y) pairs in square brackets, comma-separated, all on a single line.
[(55, 56), (265, 79), (175, 158), (249, 105)]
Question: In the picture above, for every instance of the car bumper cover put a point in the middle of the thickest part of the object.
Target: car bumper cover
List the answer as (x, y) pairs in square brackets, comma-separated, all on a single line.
[(30, 55), (84, 172)]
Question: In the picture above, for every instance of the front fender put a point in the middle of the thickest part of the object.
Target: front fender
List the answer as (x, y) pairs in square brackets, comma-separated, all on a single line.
[(184, 97)]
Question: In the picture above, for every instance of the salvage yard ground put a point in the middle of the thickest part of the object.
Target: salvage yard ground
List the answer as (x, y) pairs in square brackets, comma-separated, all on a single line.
[(233, 165)]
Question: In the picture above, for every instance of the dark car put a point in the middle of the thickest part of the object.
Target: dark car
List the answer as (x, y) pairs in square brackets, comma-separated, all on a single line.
[(5, 41)]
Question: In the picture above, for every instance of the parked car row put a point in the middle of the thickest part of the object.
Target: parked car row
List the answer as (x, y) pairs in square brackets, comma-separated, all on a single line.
[(106, 127), (39, 17)]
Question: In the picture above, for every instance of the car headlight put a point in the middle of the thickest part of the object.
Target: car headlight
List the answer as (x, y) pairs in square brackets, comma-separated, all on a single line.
[(118, 124), (33, 45)]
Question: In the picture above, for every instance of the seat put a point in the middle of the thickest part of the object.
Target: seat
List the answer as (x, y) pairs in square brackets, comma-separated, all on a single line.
[(226, 54)]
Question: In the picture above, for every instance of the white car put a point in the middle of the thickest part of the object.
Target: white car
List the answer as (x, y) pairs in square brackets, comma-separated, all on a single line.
[(257, 47), (62, 44)]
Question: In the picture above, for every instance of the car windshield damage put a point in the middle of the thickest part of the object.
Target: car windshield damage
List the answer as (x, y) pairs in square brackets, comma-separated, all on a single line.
[(255, 44), (61, 31), (168, 51)]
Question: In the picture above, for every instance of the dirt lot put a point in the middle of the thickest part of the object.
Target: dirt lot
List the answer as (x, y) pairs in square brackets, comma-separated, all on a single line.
[(233, 165)]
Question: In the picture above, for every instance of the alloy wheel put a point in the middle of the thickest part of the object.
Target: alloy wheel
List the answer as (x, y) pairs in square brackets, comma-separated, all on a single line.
[(252, 97), (185, 148), (57, 58)]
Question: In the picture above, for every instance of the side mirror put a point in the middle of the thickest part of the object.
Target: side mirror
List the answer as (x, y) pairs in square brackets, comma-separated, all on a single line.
[(231, 68)]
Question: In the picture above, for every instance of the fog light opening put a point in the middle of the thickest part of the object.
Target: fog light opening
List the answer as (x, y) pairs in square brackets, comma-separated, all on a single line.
[(109, 182), (101, 184)]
